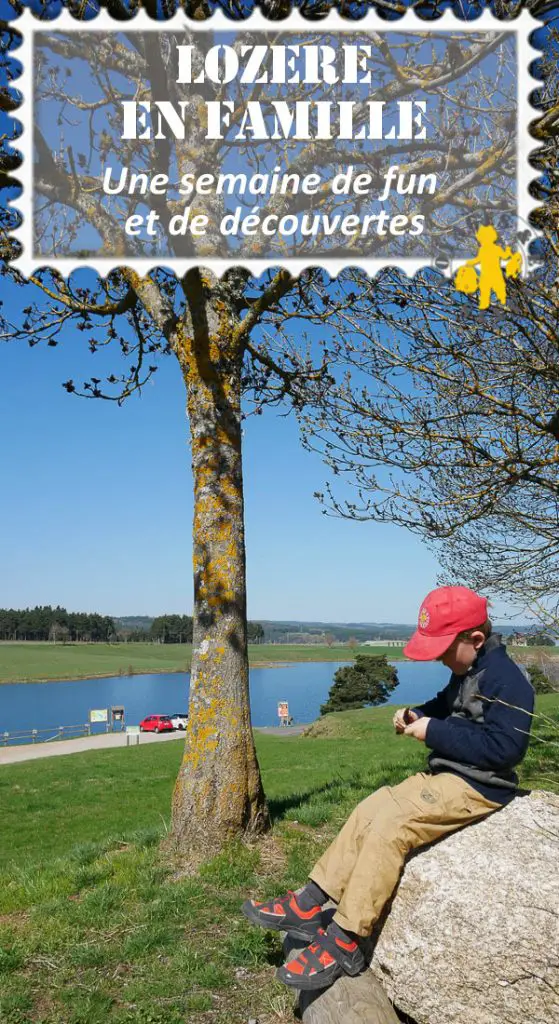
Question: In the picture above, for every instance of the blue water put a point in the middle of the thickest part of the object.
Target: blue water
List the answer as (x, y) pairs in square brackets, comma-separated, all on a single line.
[(26, 706)]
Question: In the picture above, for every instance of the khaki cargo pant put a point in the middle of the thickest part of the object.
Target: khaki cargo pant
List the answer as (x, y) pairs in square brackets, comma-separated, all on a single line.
[(361, 868)]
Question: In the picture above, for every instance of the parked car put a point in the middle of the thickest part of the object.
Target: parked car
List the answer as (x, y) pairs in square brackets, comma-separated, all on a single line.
[(156, 723), (179, 720)]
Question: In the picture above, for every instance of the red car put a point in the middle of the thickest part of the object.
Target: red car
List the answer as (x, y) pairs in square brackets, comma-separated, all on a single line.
[(156, 723)]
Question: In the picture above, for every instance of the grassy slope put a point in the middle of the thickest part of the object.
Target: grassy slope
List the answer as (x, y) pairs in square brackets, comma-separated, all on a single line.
[(97, 926), (32, 662)]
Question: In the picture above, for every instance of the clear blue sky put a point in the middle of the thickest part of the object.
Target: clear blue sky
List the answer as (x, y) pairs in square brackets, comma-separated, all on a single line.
[(97, 507)]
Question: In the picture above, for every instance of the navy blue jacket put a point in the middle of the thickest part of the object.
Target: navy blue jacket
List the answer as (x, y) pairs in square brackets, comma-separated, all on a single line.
[(488, 732)]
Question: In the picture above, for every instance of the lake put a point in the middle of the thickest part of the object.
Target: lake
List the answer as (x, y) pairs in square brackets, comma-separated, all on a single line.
[(26, 706)]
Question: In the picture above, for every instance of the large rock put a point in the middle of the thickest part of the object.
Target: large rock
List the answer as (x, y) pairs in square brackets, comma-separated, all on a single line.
[(473, 931), (360, 1000)]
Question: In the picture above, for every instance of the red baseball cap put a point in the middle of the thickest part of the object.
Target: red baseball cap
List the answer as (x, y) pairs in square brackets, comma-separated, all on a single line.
[(444, 613)]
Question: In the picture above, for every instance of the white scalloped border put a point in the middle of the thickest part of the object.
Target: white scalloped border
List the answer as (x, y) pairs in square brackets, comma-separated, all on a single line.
[(523, 26)]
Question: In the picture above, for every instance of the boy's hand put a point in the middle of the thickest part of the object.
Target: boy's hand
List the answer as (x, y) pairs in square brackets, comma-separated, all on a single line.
[(418, 729), (402, 718)]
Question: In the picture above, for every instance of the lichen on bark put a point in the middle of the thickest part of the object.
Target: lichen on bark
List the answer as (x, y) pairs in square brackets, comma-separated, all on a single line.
[(218, 793)]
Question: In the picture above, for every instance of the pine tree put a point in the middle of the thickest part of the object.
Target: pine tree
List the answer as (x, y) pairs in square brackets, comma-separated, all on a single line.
[(367, 683)]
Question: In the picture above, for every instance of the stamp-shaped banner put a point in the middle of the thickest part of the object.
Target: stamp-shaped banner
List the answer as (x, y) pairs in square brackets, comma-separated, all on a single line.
[(258, 144)]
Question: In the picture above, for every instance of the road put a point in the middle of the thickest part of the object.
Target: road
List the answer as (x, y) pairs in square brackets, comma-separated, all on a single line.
[(33, 751)]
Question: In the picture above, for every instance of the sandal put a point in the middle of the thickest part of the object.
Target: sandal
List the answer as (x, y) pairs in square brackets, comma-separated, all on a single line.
[(320, 964), (284, 914)]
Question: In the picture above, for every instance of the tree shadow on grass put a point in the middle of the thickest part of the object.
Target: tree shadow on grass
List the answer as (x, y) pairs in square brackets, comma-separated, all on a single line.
[(329, 791)]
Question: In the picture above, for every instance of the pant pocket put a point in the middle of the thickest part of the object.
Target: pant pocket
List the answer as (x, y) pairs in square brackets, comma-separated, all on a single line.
[(457, 800)]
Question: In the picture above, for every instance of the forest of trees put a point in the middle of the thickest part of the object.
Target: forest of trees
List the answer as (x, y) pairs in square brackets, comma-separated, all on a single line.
[(55, 624), (61, 626), (171, 629), (175, 629)]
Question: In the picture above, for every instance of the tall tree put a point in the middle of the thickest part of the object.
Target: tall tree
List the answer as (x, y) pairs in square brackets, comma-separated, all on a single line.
[(205, 324), (229, 336)]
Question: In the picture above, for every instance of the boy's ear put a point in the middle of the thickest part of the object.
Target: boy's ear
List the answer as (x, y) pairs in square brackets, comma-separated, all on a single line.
[(478, 638)]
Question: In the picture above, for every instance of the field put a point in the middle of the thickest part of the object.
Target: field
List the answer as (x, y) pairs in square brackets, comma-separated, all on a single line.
[(38, 662), (99, 924)]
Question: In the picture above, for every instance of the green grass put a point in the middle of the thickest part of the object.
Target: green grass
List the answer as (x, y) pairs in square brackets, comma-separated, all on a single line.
[(117, 791), (264, 653), (97, 926), (35, 662), (48, 803), (39, 662)]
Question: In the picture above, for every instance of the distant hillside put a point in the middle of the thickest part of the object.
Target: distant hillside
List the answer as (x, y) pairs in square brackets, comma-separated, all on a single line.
[(290, 628), (133, 622), (280, 629), (287, 629)]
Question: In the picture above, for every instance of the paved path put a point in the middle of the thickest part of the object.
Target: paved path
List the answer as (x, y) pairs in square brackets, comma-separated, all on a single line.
[(283, 730), (33, 751)]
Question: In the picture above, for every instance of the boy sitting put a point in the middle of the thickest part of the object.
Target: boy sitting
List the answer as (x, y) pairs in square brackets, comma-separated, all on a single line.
[(477, 729)]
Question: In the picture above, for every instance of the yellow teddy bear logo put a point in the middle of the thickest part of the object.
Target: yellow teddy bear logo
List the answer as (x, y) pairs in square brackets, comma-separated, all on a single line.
[(491, 278)]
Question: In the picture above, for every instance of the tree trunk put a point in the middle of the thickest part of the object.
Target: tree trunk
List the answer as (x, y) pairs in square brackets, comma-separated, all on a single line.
[(218, 793)]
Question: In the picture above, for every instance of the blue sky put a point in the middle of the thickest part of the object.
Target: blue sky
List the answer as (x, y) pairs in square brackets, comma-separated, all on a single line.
[(97, 506)]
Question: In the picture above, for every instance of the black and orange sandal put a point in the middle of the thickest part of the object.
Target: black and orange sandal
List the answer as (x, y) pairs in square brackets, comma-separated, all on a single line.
[(322, 963), (284, 914)]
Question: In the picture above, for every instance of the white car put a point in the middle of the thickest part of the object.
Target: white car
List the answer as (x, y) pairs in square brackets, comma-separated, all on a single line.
[(179, 721)]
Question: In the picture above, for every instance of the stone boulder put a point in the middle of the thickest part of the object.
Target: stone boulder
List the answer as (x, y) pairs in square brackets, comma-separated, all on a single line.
[(473, 931), (359, 1000)]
